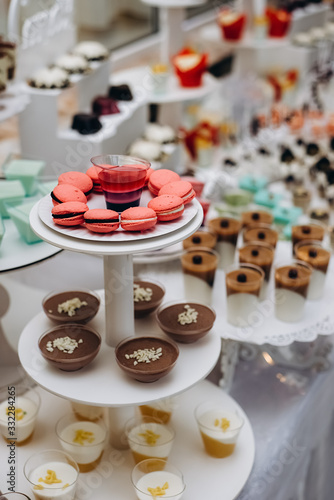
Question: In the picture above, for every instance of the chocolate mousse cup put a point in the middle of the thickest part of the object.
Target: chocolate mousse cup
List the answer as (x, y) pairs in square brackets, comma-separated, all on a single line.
[(318, 256), (147, 296), (255, 217), (227, 230), (292, 281), (313, 230), (261, 255), (262, 233), (205, 239), (202, 264), (243, 288)]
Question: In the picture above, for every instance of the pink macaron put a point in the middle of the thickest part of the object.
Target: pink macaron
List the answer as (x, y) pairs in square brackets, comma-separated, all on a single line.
[(70, 213), (167, 207), (92, 173), (183, 189), (148, 175), (159, 178), (67, 192), (138, 219), (196, 184), (101, 220), (77, 179)]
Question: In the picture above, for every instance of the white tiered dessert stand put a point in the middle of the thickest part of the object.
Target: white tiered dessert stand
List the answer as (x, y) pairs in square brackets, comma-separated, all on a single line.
[(102, 383)]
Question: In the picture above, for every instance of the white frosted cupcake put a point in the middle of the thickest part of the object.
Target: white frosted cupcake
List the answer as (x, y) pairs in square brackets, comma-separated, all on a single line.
[(91, 50), (161, 134), (50, 78), (147, 150), (72, 63)]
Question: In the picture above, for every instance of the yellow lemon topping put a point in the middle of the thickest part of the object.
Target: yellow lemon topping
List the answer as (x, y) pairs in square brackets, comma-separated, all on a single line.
[(50, 478), (159, 491), (223, 423), (150, 437), (38, 487), (19, 413), (65, 486), (82, 436)]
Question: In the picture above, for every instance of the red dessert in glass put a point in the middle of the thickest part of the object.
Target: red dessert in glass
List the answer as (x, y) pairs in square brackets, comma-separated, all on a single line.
[(232, 24), (279, 22), (189, 67)]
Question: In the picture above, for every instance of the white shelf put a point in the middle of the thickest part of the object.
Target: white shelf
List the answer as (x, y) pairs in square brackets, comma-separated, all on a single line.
[(12, 101), (175, 93), (222, 478), (103, 383), (169, 4), (212, 33)]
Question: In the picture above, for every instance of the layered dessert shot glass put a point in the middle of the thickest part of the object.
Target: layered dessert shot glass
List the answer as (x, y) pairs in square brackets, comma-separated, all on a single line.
[(200, 263), (255, 217), (205, 239), (318, 257), (149, 438), (227, 230), (219, 428), (161, 410), (52, 474), (262, 233), (87, 412), (83, 440), (157, 478), (18, 413), (243, 289), (313, 230), (261, 255), (292, 280)]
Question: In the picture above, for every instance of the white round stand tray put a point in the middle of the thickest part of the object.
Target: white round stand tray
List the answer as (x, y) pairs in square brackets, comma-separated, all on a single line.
[(103, 383), (223, 479), (212, 33), (174, 3), (318, 314)]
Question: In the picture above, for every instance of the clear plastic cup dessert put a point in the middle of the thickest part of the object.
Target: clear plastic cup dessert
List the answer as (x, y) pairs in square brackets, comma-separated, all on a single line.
[(318, 256), (264, 233), (199, 267), (243, 289), (292, 279), (312, 230), (157, 478), (219, 428), (261, 255), (227, 230), (87, 412), (161, 409), (149, 438), (147, 295), (202, 238), (52, 474), (19, 408), (83, 440)]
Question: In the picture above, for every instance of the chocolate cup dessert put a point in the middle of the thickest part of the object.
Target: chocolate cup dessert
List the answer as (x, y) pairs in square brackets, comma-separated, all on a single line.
[(306, 232), (88, 345), (244, 280), (191, 331), (143, 371), (301, 198), (259, 254), (262, 233), (201, 263), (144, 307), (256, 217), (292, 283), (226, 228), (82, 314), (204, 239), (318, 258)]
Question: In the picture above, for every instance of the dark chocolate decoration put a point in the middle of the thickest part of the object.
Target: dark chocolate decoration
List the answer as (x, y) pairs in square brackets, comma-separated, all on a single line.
[(197, 259), (255, 216), (255, 253), (196, 240), (242, 278), (230, 162), (293, 273), (287, 156), (306, 230), (300, 142), (103, 105), (312, 149), (86, 123), (261, 235), (120, 92), (313, 253), (224, 223)]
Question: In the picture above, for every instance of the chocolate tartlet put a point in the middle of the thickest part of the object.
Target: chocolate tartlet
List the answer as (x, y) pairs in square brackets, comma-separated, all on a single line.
[(77, 344), (260, 255), (146, 371), (146, 303), (186, 322), (226, 228), (295, 278), (203, 239), (262, 233), (82, 314), (307, 232), (256, 217)]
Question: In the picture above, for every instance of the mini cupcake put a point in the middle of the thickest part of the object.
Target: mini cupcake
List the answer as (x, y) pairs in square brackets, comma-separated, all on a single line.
[(50, 78), (91, 50), (72, 64), (190, 67)]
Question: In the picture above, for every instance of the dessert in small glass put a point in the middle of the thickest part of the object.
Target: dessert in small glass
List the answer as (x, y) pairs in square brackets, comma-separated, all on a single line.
[(318, 256), (204, 239), (279, 22), (149, 439), (238, 199), (255, 217), (19, 406), (201, 264), (156, 478), (161, 409), (310, 231), (261, 232), (83, 440), (243, 288), (147, 296), (320, 214), (189, 67), (159, 75), (219, 428), (302, 198), (227, 230), (232, 24), (52, 474), (87, 412), (261, 255), (292, 280)]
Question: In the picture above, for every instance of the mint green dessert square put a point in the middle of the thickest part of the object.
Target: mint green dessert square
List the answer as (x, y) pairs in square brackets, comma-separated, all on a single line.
[(2, 230), (20, 217), (25, 171), (11, 193)]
